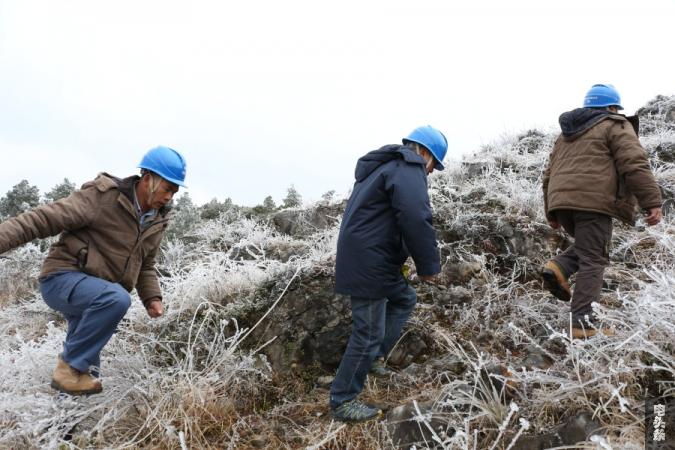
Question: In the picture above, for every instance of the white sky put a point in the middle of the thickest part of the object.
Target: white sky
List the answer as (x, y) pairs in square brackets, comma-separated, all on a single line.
[(261, 94)]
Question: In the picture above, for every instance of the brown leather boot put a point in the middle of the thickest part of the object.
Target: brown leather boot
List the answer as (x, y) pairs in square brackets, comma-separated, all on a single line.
[(72, 381), (585, 333), (556, 281)]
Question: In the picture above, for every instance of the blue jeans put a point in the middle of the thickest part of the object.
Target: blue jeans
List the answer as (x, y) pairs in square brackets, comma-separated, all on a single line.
[(93, 308), (376, 326)]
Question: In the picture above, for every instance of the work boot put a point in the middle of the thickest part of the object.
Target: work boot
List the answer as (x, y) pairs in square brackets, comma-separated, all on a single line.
[(585, 333), (379, 369), (354, 411), (72, 381), (556, 281)]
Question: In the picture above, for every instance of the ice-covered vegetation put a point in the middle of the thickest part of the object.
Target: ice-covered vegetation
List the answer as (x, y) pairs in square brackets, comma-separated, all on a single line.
[(484, 364)]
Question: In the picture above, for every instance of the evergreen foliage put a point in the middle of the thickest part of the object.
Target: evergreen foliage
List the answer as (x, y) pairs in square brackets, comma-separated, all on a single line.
[(61, 190), (186, 217), (22, 197), (269, 204), (328, 197), (214, 208), (293, 198)]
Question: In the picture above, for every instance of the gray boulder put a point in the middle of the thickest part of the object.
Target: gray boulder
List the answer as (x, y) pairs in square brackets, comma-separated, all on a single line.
[(309, 327), (406, 431), (301, 222), (576, 429)]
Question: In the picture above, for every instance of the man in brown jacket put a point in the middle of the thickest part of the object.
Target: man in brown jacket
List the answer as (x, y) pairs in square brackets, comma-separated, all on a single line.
[(597, 171), (110, 232)]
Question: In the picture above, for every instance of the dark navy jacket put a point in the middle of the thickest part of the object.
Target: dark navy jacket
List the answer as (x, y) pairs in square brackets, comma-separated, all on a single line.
[(387, 216)]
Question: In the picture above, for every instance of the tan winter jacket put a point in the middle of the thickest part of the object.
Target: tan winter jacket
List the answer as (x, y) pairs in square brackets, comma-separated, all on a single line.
[(100, 235), (597, 164)]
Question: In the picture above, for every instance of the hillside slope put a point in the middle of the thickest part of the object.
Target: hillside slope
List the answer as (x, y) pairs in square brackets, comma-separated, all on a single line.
[(253, 331)]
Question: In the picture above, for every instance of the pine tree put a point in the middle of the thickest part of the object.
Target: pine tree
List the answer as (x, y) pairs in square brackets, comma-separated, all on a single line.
[(269, 204), (61, 190), (22, 197), (293, 198), (213, 209), (185, 219), (328, 196), (184, 202)]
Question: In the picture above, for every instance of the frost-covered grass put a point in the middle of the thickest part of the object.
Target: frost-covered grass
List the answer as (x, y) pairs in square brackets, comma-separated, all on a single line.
[(608, 377), (188, 379), (179, 381), (147, 401), (19, 270)]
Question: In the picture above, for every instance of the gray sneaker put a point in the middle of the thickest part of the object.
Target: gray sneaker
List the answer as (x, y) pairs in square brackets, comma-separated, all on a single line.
[(379, 369), (354, 411)]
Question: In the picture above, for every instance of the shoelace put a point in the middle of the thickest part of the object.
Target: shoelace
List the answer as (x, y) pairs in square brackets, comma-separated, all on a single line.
[(356, 410)]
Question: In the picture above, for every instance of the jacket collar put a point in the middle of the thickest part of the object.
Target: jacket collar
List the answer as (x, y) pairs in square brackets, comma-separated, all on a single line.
[(127, 186)]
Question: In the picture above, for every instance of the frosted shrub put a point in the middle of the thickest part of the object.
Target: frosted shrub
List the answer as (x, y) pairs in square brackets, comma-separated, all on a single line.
[(183, 222), (144, 402), (19, 270), (189, 380)]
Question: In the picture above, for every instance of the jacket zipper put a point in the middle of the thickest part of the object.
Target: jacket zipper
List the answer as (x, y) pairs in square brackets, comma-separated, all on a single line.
[(133, 249)]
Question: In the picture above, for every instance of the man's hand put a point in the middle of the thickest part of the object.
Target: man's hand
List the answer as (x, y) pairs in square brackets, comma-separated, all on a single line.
[(155, 308), (553, 224), (653, 216), (427, 278)]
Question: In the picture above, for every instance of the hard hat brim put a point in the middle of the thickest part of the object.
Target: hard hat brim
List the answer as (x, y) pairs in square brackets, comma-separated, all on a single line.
[(169, 179)]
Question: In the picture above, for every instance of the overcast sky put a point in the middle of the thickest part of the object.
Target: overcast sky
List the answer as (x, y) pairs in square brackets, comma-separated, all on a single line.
[(261, 94)]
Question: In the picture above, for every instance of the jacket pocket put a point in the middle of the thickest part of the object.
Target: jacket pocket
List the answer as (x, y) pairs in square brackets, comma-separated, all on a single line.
[(81, 257), (92, 263), (57, 289), (621, 190)]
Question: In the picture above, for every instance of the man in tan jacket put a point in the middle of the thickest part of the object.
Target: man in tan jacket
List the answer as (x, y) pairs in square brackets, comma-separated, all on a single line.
[(110, 232), (597, 171)]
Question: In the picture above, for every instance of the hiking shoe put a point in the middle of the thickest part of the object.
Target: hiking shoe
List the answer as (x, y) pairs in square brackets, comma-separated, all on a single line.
[(379, 369), (354, 411), (72, 381), (585, 333), (556, 281)]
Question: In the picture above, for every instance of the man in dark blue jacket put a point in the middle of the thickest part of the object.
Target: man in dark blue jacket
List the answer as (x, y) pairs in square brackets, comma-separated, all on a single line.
[(387, 219)]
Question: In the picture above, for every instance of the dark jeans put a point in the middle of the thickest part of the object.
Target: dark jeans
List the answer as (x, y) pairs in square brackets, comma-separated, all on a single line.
[(587, 257), (376, 326)]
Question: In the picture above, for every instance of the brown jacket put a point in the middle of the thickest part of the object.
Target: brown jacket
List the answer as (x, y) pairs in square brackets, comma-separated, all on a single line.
[(100, 235), (597, 164)]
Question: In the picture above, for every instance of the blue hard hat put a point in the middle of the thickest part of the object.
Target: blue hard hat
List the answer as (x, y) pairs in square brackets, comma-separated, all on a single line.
[(433, 140), (602, 95), (165, 162)]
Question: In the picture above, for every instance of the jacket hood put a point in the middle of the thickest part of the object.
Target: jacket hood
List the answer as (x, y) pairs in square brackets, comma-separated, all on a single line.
[(577, 121), (374, 159)]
